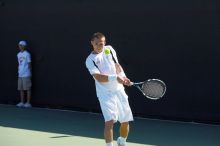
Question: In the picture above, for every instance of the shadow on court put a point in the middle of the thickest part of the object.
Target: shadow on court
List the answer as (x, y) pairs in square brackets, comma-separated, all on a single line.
[(143, 131)]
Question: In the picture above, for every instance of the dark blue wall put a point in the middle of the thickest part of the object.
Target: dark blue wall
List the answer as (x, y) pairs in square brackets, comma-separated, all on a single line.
[(177, 42)]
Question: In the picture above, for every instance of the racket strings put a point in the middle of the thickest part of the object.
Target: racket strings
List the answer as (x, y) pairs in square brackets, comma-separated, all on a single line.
[(153, 89)]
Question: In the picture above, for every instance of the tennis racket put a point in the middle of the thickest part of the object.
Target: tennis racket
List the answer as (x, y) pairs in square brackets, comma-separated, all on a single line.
[(153, 88)]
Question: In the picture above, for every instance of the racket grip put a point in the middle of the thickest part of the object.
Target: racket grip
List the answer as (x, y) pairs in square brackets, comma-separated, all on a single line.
[(131, 83)]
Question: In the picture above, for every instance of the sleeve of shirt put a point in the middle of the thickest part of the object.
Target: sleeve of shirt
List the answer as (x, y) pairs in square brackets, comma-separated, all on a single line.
[(116, 58), (114, 53), (91, 67), (28, 58)]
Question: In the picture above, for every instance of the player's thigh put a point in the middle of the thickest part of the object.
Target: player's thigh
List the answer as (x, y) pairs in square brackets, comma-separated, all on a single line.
[(109, 108), (20, 83), (27, 83), (125, 113)]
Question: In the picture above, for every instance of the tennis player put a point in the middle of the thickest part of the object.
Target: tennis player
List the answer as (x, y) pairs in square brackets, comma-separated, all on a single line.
[(109, 78), (24, 75)]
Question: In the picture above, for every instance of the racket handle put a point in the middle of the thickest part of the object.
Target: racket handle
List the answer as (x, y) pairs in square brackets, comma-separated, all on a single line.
[(131, 83)]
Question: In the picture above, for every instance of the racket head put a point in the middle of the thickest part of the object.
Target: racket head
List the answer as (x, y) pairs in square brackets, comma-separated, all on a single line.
[(153, 88)]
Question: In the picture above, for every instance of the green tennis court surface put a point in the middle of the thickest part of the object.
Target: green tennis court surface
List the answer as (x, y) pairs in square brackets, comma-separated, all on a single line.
[(45, 127)]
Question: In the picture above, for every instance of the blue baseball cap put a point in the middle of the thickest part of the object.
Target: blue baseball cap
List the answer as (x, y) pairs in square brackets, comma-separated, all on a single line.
[(22, 43)]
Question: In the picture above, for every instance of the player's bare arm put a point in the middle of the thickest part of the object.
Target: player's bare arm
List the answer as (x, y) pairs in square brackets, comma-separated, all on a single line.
[(120, 70), (107, 78)]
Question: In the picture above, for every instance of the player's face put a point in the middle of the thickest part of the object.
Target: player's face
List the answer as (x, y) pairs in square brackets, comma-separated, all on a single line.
[(98, 44), (22, 48)]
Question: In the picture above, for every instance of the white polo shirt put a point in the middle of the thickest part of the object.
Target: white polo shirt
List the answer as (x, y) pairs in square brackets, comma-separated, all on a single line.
[(106, 66), (24, 58)]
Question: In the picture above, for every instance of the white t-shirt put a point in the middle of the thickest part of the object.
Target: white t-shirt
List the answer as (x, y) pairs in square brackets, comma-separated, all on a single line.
[(105, 65), (24, 58)]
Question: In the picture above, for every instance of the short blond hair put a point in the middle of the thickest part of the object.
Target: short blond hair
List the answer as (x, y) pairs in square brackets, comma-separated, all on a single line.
[(97, 35)]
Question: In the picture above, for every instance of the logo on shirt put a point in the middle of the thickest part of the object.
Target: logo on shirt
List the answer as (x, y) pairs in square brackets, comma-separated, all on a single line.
[(21, 60)]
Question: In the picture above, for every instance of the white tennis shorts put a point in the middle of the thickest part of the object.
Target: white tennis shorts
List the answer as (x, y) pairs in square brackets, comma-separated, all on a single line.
[(115, 106)]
